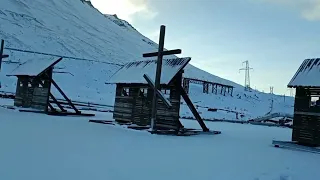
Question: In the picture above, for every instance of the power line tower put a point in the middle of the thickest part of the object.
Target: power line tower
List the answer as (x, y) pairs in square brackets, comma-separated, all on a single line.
[(247, 75), (271, 89)]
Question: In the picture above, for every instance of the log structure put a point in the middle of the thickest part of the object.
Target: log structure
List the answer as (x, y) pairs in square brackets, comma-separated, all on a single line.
[(35, 79), (133, 101), (216, 88), (306, 121)]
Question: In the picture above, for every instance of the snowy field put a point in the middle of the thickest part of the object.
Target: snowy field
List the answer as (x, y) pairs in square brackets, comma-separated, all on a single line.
[(38, 147)]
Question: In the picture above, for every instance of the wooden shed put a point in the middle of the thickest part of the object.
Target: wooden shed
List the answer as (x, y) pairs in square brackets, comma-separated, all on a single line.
[(134, 95), (306, 122), (34, 87)]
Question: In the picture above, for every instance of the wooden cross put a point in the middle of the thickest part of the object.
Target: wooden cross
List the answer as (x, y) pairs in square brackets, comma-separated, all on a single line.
[(2, 56), (156, 86)]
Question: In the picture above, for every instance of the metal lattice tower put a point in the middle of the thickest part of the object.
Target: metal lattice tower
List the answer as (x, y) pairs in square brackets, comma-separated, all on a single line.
[(271, 89), (247, 75)]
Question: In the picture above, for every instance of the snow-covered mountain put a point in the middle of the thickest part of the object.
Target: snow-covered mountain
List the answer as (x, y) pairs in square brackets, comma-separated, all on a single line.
[(75, 28)]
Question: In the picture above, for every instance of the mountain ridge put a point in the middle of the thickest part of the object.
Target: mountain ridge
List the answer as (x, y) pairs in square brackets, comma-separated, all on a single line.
[(75, 28)]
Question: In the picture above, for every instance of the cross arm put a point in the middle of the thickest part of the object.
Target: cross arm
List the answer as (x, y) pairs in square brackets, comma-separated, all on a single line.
[(171, 52)]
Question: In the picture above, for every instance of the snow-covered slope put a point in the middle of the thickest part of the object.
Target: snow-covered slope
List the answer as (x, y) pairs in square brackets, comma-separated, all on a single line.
[(75, 28)]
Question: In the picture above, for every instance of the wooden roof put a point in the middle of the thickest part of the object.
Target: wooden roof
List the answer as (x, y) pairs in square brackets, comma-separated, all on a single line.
[(34, 67), (307, 75), (132, 72)]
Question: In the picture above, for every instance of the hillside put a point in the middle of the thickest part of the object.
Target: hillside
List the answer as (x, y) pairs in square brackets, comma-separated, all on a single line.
[(75, 28)]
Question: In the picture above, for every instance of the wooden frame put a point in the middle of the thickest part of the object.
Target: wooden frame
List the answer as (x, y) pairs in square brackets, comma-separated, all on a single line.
[(34, 91), (135, 107), (224, 89), (306, 122)]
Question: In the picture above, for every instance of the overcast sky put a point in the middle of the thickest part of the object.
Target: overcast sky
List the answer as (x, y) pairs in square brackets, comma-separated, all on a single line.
[(274, 35)]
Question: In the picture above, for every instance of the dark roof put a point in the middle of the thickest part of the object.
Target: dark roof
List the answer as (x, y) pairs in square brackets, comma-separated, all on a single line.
[(34, 67), (308, 74), (132, 72)]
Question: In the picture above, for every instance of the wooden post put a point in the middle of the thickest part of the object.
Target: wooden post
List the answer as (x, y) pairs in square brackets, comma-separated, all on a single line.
[(158, 76), (49, 88), (159, 92), (160, 55), (1, 52), (193, 109), (53, 98), (65, 96)]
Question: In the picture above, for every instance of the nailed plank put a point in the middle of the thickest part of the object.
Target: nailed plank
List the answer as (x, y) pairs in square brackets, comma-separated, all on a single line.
[(193, 109)]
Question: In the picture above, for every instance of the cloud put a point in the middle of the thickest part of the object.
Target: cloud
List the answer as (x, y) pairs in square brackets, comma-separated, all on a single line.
[(153, 35), (309, 9), (125, 9)]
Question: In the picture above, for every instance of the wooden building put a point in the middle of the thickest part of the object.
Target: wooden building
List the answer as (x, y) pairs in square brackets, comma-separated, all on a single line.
[(35, 78), (134, 96), (306, 122), (216, 88)]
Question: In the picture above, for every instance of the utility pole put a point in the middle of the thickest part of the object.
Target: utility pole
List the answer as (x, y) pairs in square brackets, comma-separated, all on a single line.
[(2, 56), (271, 89), (247, 75)]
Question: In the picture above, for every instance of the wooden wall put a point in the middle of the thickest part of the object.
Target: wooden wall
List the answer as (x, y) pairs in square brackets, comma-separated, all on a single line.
[(135, 106), (169, 118), (24, 93), (123, 105), (30, 94), (306, 123)]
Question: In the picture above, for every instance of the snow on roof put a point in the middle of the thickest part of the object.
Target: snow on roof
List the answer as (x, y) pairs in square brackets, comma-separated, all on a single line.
[(133, 72), (307, 75), (34, 67)]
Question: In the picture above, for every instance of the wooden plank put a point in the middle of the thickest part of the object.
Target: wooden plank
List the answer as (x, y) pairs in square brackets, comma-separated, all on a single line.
[(159, 93), (1, 52), (124, 98), (163, 53), (193, 109), (48, 83), (65, 96), (166, 126), (307, 113)]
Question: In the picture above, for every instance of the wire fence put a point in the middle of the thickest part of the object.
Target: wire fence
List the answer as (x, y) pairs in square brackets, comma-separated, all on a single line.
[(55, 55)]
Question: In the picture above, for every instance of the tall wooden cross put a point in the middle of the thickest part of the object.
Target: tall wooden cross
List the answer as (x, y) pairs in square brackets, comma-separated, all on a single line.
[(156, 85)]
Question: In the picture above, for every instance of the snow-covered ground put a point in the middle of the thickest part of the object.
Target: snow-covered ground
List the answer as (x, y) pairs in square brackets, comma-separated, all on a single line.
[(74, 28), (37, 147)]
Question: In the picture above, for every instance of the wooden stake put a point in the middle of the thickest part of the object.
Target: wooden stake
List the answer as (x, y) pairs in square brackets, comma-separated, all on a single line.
[(1, 52), (158, 76), (65, 96), (193, 109)]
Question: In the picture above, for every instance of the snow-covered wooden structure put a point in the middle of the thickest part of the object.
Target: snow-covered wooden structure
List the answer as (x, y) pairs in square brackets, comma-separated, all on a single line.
[(216, 88), (34, 87), (306, 122), (134, 95)]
